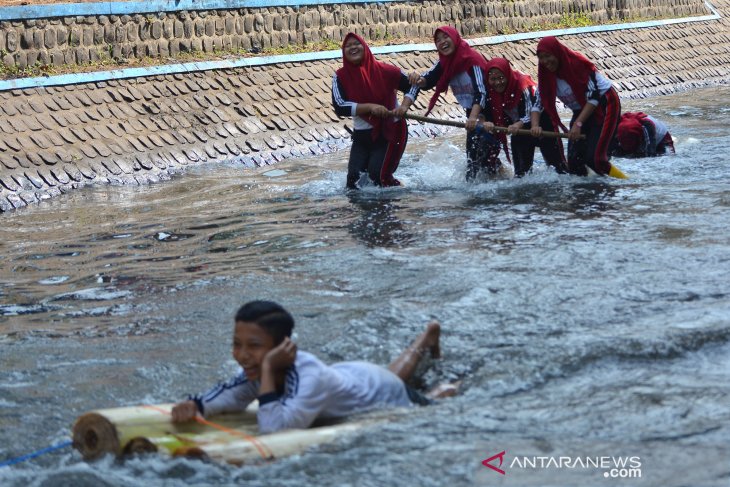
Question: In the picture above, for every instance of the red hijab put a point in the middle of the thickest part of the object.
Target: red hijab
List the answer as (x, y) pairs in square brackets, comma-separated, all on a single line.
[(369, 82), (573, 67), (630, 131), (463, 58), (517, 82)]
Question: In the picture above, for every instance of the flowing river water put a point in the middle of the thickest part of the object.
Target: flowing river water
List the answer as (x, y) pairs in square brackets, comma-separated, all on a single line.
[(586, 317)]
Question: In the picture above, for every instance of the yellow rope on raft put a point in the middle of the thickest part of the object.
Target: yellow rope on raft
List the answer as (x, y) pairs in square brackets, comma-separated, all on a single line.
[(263, 450)]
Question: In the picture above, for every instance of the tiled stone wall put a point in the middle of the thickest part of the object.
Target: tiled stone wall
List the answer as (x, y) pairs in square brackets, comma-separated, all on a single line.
[(81, 40), (142, 130)]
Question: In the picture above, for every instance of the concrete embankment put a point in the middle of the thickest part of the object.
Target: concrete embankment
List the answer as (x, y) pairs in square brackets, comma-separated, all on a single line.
[(112, 128)]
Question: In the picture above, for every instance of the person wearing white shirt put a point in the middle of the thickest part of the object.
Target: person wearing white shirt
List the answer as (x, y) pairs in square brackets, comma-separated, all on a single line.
[(294, 388)]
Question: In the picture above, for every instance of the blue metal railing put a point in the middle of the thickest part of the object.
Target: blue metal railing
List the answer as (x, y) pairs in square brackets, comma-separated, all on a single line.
[(25, 12)]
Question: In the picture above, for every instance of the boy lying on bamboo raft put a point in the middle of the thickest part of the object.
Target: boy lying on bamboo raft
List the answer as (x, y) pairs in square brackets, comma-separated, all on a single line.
[(294, 388)]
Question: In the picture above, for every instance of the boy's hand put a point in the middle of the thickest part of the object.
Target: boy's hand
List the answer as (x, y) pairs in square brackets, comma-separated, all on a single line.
[(184, 412), (281, 356), (488, 127)]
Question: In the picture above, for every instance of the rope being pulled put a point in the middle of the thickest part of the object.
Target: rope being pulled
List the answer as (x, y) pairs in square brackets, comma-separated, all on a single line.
[(454, 123), (613, 172)]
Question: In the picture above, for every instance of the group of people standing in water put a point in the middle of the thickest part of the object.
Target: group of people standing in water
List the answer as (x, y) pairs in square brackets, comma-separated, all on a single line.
[(294, 388), (493, 95)]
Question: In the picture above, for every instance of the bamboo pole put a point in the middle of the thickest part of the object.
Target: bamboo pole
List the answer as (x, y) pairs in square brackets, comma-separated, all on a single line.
[(613, 172), (454, 123)]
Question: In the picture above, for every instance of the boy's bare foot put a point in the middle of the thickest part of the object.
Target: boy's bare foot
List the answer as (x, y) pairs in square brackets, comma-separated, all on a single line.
[(444, 390), (432, 339), (427, 342)]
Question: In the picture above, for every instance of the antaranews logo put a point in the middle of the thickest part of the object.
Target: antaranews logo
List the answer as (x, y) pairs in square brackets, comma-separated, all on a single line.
[(487, 463), (610, 466)]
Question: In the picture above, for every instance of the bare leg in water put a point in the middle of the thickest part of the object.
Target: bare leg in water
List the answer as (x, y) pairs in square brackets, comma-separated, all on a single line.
[(405, 365)]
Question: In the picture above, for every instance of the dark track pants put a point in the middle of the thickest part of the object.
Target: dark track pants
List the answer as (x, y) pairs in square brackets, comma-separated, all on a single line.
[(523, 149), (367, 155), (599, 130), (482, 154)]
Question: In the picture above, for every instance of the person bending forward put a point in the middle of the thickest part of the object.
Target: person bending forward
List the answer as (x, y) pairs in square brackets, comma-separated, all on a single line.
[(570, 77), (640, 135)]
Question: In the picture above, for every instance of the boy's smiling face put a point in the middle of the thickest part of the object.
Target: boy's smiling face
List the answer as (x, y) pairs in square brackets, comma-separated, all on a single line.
[(251, 343)]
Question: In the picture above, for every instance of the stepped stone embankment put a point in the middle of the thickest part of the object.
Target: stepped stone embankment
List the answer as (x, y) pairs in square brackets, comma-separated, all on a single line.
[(141, 130)]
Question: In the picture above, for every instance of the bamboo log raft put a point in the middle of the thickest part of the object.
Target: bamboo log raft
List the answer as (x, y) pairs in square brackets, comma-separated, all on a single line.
[(230, 438)]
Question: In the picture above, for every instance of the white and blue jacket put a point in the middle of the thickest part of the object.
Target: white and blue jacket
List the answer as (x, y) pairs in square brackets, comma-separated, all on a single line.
[(312, 390)]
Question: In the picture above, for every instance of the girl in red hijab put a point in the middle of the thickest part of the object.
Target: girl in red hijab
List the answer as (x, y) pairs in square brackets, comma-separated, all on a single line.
[(570, 77), (365, 89), (511, 97), (462, 69), (640, 135)]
